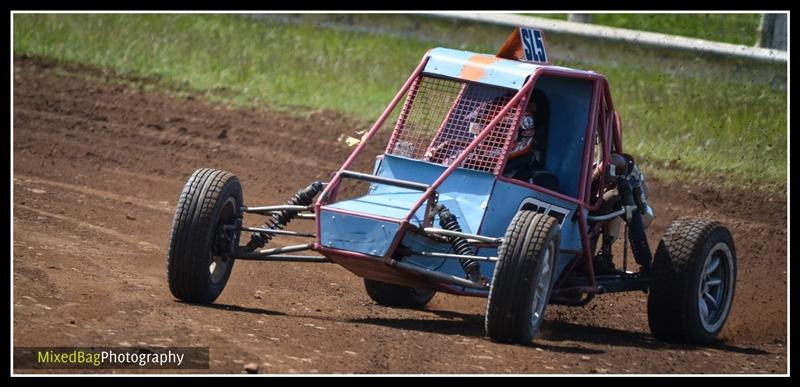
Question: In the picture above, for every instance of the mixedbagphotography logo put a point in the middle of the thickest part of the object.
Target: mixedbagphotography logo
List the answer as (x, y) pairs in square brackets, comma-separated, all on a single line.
[(110, 357)]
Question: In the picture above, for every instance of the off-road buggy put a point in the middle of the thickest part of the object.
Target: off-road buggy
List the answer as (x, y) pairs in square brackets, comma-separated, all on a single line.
[(441, 213)]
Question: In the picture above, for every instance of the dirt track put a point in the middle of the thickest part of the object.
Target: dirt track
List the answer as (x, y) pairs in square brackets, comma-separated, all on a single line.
[(98, 167)]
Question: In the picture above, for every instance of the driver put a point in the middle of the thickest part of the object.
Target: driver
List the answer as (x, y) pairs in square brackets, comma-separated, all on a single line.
[(521, 154), (526, 157)]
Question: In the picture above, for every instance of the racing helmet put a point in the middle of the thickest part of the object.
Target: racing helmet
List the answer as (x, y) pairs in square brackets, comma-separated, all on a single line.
[(525, 131)]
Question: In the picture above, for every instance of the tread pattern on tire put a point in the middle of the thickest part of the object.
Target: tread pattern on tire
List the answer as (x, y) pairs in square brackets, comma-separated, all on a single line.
[(672, 288), (509, 306), (191, 234)]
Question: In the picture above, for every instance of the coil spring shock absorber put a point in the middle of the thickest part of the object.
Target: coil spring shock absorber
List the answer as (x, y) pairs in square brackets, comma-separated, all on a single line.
[(639, 245), (280, 219), (460, 245)]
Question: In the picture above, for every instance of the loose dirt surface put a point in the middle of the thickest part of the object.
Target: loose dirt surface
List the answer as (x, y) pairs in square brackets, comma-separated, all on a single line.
[(98, 166)]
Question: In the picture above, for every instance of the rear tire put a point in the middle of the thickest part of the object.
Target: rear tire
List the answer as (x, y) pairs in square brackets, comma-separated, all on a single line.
[(387, 294), (197, 268), (693, 282), (523, 278)]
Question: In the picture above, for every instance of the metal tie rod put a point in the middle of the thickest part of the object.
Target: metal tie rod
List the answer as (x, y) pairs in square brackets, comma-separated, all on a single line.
[(286, 249), (282, 258), (279, 232), (480, 238), (606, 216), (455, 256), (285, 207)]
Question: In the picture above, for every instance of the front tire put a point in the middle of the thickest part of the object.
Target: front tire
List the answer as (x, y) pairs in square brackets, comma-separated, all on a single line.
[(387, 294), (198, 266), (523, 278), (693, 282)]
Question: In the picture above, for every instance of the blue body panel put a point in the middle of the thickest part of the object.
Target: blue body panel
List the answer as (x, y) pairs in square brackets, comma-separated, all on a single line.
[(393, 205), (470, 190), (569, 116), (355, 233)]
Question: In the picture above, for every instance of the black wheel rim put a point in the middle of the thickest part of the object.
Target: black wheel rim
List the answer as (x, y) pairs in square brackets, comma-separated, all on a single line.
[(219, 263), (715, 288)]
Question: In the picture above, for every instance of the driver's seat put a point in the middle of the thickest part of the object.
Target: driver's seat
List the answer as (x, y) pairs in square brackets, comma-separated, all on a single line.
[(545, 179)]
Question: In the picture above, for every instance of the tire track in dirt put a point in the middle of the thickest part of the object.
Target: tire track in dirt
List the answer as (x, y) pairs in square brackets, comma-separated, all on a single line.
[(105, 230), (97, 193), (156, 138)]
